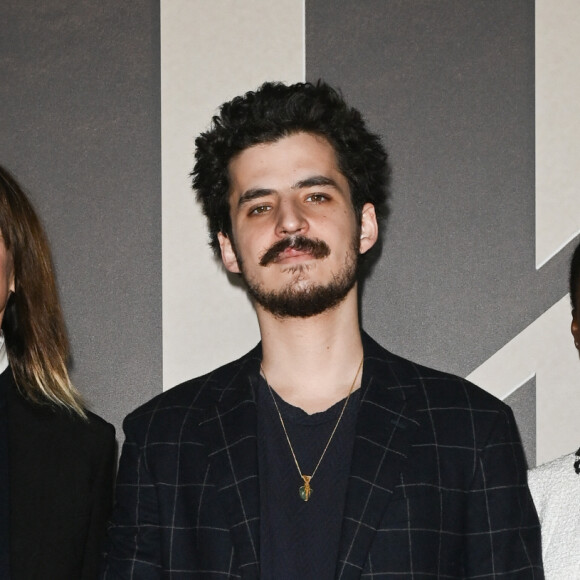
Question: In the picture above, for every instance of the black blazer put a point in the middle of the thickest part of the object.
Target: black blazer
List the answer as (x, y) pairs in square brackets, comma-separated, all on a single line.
[(437, 485), (61, 472)]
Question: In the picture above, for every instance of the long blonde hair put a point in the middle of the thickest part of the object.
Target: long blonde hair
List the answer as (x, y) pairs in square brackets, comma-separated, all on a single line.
[(33, 324)]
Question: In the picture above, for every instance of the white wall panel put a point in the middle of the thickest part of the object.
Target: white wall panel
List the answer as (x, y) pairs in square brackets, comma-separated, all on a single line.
[(557, 125), (210, 52)]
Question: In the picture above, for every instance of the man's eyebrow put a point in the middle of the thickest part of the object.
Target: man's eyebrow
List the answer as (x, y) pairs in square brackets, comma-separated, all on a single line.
[(314, 181), (251, 194)]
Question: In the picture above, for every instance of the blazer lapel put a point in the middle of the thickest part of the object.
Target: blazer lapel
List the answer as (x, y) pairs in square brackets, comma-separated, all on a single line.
[(230, 433), (385, 427)]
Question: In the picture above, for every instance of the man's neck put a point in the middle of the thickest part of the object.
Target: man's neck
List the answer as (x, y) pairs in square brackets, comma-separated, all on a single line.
[(312, 362)]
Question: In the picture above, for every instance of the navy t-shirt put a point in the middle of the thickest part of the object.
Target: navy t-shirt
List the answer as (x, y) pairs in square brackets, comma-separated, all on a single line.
[(298, 539)]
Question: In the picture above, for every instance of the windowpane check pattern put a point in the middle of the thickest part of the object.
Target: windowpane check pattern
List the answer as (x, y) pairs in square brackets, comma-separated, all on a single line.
[(437, 485)]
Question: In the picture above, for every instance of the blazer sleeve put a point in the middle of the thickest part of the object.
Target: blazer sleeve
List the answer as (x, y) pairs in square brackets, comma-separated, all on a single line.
[(101, 505), (134, 542), (502, 527)]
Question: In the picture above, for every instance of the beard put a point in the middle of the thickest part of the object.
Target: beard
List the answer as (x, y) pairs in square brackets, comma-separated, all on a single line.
[(301, 298)]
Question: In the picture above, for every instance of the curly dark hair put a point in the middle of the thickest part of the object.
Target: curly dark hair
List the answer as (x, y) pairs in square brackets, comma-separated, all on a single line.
[(275, 111), (575, 276)]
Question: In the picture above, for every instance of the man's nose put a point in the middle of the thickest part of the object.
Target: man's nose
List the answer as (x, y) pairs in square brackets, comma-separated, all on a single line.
[(291, 219)]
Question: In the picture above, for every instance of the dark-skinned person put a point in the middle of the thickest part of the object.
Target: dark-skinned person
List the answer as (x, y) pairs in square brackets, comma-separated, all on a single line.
[(555, 486)]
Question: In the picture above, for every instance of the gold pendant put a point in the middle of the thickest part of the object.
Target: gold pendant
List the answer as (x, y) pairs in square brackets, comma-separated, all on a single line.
[(306, 491)]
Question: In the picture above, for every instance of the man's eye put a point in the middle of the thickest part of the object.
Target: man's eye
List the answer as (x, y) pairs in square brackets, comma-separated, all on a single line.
[(259, 209), (317, 198)]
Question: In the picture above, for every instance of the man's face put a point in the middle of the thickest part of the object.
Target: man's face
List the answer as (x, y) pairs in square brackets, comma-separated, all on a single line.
[(295, 236)]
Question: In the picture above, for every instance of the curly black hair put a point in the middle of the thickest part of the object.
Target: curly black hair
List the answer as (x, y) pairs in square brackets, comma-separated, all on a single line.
[(275, 111), (575, 277)]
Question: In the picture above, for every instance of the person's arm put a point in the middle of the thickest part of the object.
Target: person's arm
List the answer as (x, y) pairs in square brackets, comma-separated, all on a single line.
[(101, 502), (502, 531), (133, 546)]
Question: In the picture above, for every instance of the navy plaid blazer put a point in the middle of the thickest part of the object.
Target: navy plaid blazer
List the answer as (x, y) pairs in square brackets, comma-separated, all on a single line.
[(437, 485)]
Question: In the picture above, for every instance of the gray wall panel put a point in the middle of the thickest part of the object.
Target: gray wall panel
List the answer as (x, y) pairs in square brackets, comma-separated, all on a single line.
[(450, 86), (80, 111), (523, 403)]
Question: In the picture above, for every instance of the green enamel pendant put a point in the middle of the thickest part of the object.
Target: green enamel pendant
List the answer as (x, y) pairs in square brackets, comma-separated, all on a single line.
[(305, 491)]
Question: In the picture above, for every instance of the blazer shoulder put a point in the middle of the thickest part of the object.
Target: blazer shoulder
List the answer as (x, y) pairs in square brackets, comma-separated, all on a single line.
[(194, 396), (50, 439), (42, 416), (94, 428), (99, 428), (438, 386)]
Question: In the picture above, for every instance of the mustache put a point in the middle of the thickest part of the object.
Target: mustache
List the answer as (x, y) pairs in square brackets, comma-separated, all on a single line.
[(316, 248)]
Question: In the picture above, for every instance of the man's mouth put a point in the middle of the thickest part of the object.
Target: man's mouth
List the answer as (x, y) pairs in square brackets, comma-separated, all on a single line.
[(294, 246)]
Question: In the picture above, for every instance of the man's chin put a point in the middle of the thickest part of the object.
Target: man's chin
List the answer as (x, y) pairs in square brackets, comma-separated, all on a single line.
[(301, 299)]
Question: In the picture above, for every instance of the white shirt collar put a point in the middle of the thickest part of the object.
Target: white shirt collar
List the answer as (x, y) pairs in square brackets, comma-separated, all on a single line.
[(3, 354)]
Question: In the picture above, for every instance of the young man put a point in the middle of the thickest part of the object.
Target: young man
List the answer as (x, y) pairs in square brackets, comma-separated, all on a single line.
[(318, 454)]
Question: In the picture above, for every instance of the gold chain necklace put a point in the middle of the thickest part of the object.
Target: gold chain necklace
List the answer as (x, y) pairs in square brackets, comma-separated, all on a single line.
[(305, 490)]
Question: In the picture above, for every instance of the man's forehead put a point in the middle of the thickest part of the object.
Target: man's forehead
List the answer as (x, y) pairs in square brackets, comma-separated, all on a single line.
[(297, 150), (267, 144)]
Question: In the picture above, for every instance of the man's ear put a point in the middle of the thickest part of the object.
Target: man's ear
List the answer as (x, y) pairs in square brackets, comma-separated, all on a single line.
[(575, 328), (369, 228), (228, 255)]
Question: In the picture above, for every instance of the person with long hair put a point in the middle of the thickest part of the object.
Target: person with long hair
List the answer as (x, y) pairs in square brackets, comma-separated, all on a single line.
[(555, 486), (57, 459)]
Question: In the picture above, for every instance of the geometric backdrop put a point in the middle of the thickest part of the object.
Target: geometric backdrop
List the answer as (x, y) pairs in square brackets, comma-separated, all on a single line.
[(476, 103)]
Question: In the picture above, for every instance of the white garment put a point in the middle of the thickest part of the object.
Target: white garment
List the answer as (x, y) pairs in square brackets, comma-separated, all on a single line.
[(555, 487), (3, 353)]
